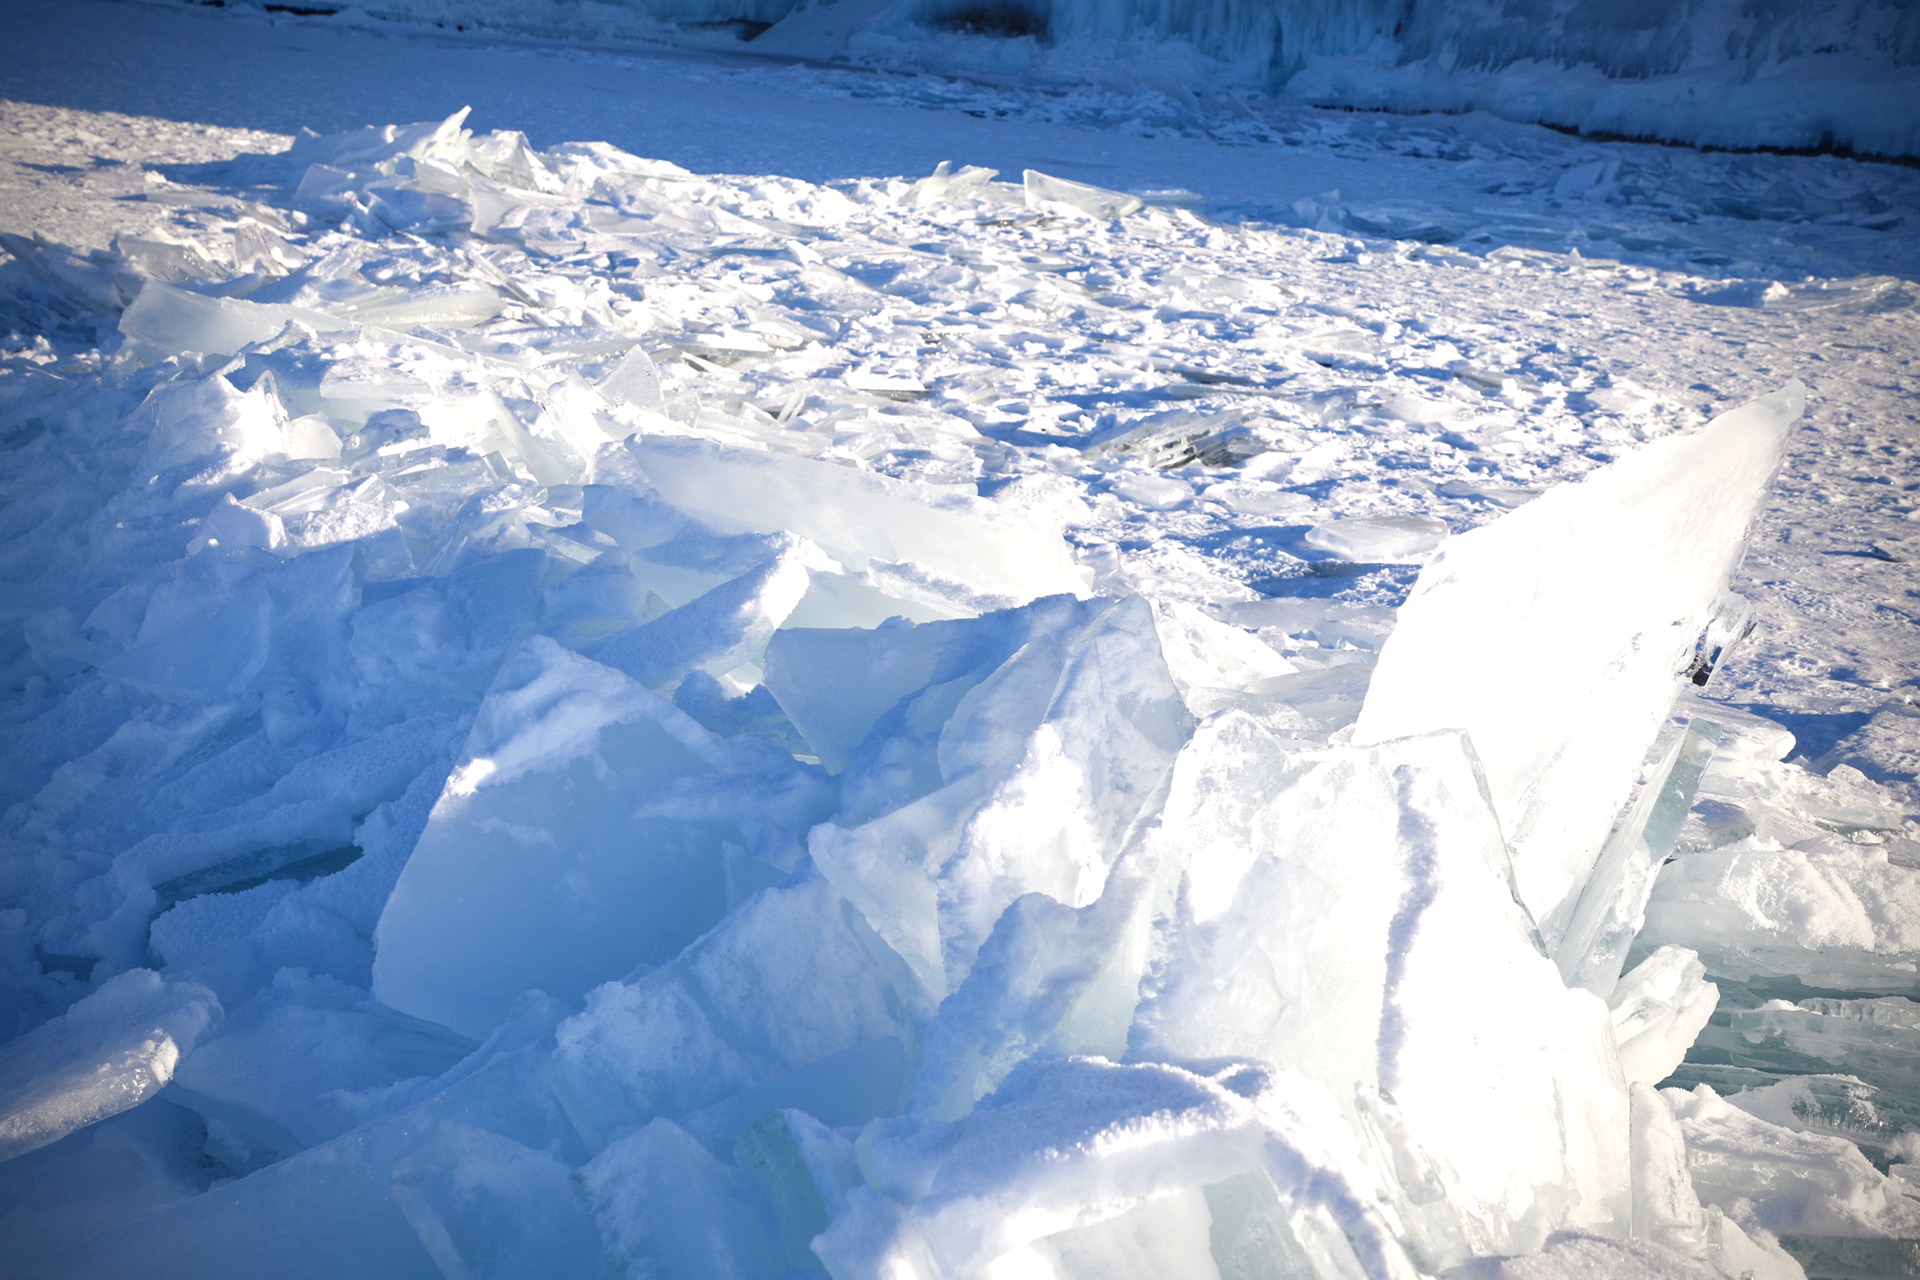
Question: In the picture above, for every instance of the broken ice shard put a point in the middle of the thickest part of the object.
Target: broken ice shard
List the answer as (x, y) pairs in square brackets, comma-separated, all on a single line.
[(282, 1074), (1353, 923), (1014, 810), (112, 1050), (790, 1001), (1556, 635), (940, 545), (1613, 905), (1837, 918), (1044, 191), (591, 827), (1066, 1145), (1658, 1010), (174, 321)]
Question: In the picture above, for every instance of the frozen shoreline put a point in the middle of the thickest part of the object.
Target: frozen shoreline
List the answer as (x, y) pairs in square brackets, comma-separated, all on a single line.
[(1707, 72), (628, 460)]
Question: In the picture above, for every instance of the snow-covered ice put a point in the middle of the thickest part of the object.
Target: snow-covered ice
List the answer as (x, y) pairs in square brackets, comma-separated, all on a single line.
[(744, 707)]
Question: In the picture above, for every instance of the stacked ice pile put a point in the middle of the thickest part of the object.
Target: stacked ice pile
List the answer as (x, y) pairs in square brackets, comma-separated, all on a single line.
[(487, 810)]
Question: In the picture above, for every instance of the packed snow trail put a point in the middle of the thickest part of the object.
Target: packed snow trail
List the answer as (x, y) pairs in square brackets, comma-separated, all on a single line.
[(595, 719)]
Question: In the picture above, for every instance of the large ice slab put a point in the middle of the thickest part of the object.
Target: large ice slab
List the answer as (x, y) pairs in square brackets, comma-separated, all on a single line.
[(207, 431), (1788, 1182), (1555, 635), (1063, 195), (113, 1172), (1658, 1010), (112, 1050), (1353, 920), (664, 1206), (1612, 907), (484, 1205), (282, 1073), (265, 1224), (1843, 917), (945, 548), (406, 1196), (723, 630), (1839, 1106), (590, 827), (1668, 1213), (843, 685), (1875, 1040), (1039, 767), (792, 995)]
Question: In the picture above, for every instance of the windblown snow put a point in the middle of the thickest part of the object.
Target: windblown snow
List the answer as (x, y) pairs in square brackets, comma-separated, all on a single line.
[(569, 716)]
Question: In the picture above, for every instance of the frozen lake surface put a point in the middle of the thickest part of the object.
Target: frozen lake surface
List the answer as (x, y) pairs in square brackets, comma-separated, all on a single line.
[(642, 661)]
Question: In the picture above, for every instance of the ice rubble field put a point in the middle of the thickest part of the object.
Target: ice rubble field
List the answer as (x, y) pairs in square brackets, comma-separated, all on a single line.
[(570, 717)]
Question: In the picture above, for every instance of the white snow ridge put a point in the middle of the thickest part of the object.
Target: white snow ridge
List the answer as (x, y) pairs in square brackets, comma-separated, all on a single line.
[(574, 718)]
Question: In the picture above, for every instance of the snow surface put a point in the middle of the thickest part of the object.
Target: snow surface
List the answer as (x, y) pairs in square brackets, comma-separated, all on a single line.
[(681, 705)]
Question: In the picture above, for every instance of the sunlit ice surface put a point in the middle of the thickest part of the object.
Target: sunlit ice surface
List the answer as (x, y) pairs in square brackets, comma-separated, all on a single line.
[(576, 712)]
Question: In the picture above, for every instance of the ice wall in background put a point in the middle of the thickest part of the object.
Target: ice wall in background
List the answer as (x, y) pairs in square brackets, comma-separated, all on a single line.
[(1724, 73), (1719, 72)]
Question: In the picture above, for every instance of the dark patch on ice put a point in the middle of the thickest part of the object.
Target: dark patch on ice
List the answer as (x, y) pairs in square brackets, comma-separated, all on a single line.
[(1754, 992), (1005, 19), (299, 863), (81, 967), (1851, 1258), (388, 588), (1827, 146), (1386, 585), (1420, 838), (742, 29), (21, 434), (1340, 568), (755, 713)]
